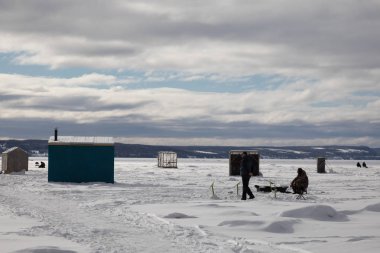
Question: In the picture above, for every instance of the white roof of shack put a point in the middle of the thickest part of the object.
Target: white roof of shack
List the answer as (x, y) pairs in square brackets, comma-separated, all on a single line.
[(82, 140), (241, 151), (12, 149), (167, 152)]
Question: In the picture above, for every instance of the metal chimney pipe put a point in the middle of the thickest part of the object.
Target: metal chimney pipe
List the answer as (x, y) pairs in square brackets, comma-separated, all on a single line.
[(55, 134)]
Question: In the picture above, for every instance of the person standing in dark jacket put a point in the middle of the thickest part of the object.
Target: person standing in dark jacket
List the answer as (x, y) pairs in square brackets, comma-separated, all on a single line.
[(246, 173)]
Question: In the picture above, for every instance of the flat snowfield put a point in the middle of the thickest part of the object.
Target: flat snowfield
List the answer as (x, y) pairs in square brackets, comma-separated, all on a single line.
[(151, 209)]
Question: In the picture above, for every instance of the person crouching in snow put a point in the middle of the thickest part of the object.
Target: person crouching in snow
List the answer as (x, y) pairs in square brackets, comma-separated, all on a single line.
[(300, 183), (246, 173)]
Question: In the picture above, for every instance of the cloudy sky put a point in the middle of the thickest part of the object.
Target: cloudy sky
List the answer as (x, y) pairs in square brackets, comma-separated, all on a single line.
[(217, 72)]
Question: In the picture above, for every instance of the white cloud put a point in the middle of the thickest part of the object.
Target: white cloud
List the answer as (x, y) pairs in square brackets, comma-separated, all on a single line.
[(76, 98)]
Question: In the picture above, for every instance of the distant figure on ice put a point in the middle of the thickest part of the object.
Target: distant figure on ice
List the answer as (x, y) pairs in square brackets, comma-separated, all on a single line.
[(246, 172), (36, 164), (364, 165), (42, 165), (358, 165), (300, 183)]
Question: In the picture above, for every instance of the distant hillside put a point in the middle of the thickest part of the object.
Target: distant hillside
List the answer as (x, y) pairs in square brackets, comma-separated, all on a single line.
[(39, 148), (377, 151), (33, 147)]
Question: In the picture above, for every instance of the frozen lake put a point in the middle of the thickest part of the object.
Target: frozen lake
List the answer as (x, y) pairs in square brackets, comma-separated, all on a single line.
[(150, 209)]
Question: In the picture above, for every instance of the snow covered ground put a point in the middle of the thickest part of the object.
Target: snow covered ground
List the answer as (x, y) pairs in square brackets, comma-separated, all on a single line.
[(150, 209)]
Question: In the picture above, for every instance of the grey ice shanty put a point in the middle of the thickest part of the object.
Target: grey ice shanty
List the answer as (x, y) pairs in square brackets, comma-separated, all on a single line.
[(167, 159), (14, 160), (235, 158)]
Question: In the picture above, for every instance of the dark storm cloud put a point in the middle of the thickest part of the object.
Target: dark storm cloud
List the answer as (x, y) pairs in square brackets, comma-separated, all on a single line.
[(76, 103), (33, 128), (10, 97), (303, 130), (98, 49)]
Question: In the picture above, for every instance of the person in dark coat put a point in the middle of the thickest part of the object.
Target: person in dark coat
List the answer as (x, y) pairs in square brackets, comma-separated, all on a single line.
[(301, 182), (246, 173), (358, 165), (42, 165), (364, 165)]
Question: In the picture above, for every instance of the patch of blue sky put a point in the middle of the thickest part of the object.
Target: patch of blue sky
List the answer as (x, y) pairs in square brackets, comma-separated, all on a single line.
[(326, 104), (210, 82), (365, 93), (155, 79), (9, 65)]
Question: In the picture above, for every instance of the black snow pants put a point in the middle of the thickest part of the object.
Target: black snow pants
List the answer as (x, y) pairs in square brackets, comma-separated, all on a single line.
[(246, 189)]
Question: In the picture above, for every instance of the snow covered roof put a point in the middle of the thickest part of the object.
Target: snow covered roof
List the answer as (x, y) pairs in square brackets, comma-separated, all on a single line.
[(241, 151), (12, 149), (82, 140), (167, 152)]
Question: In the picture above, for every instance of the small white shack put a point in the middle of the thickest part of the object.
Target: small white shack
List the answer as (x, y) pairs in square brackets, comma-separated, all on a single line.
[(167, 159), (14, 160)]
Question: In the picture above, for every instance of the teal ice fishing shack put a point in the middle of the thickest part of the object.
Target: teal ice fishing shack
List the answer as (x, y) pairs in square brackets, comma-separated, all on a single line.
[(79, 159)]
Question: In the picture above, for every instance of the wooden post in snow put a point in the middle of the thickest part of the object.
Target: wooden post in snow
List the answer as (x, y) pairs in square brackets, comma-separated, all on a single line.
[(321, 162)]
